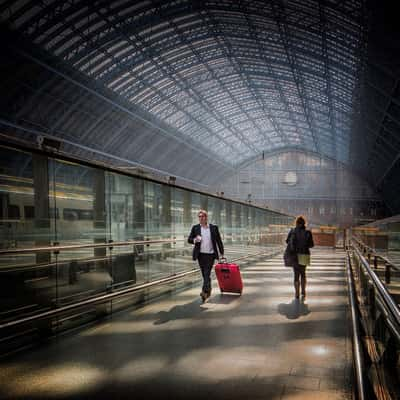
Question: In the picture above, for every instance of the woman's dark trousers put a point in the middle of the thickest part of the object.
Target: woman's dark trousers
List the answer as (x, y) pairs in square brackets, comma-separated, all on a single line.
[(299, 278)]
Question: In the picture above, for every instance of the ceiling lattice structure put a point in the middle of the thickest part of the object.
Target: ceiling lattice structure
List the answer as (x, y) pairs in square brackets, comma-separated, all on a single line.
[(234, 78)]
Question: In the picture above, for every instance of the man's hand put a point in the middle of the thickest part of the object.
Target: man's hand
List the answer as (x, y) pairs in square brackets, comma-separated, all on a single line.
[(197, 239)]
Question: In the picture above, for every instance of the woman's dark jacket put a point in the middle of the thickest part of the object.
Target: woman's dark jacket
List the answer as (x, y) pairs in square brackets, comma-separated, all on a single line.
[(301, 240)]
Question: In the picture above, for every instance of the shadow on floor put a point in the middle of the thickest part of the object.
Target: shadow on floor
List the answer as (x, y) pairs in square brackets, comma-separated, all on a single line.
[(294, 310), (188, 310), (225, 298)]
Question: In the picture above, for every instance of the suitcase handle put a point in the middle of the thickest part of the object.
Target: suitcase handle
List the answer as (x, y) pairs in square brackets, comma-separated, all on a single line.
[(226, 270), (223, 260)]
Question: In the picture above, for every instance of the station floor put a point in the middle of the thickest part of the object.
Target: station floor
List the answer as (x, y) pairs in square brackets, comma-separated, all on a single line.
[(262, 345)]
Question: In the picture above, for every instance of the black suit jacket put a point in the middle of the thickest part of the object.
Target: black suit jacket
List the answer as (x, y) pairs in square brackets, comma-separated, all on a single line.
[(215, 240)]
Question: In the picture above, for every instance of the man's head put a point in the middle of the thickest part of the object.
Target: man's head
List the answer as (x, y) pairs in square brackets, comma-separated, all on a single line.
[(203, 217)]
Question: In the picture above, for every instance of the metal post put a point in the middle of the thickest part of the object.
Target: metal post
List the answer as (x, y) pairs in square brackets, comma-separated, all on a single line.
[(371, 301), (375, 262), (387, 273)]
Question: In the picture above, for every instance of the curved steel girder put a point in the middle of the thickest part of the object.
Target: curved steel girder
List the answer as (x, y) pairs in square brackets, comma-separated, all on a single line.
[(157, 48), (236, 64), (125, 65), (168, 71), (274, 106), (249, 59), (218, 97), (128, 112), (226, 87), (325, 134), (134, 96), (150, 20), (230, 111), (52, 10)]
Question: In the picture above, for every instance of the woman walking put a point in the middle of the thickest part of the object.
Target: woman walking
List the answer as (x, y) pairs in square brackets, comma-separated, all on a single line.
[(301, 240)]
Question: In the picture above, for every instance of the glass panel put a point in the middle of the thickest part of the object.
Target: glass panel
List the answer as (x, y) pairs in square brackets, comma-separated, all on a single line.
[(78, 196), (16, 202), (24, 223), (181, 210), (48, 201)]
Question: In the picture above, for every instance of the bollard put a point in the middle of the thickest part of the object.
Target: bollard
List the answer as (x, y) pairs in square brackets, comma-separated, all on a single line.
[(376, 262), (387, 273)]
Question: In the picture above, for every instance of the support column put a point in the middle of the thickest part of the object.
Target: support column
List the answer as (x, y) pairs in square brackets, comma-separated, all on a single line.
[(138, 222), (204, 202), (229, 222), (187, 208), (217, 212), (166, 218), (41, 204), (99, 211)]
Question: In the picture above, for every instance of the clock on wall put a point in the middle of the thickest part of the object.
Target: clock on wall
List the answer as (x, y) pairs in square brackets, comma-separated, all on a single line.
[(290, 178)]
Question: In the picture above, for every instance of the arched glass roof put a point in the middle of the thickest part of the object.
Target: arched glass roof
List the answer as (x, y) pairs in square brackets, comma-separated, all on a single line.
[(235, 77)]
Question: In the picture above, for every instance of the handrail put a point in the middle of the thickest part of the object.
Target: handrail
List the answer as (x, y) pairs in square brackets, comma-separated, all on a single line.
[(102, 298), (357, 356), (375, 254), (85, 246), (92, 245), (389, 303), (95, 300), (66, 262)]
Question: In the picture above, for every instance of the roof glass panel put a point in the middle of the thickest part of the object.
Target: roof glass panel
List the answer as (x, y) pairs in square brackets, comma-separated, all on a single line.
[(249, 73)]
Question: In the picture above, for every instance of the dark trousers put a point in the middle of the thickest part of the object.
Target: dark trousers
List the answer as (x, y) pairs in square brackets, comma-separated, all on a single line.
[(206, 262)]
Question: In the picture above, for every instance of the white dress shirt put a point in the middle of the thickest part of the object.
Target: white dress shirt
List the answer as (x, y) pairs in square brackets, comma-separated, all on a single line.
[(206, 243)]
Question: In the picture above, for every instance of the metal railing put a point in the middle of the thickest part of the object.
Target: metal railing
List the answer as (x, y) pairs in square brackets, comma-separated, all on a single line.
[(371, 253), (110, 244), (379, 317), (390, 306), (120, 293), (357, 346)]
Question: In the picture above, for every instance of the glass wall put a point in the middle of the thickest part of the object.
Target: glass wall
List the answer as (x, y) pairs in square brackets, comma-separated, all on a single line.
[(324, 191), (46, 201)]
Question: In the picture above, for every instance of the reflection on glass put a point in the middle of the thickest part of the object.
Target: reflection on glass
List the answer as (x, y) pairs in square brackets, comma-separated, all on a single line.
[(46, 201)]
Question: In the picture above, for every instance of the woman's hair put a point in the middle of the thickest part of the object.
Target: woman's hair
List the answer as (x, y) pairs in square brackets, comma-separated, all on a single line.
[(300, 220)]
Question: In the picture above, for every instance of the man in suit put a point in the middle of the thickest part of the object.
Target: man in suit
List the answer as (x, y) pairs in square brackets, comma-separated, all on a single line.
[(207, 248)]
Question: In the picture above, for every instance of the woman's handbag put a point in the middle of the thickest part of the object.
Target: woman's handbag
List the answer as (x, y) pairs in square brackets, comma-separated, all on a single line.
[(290, 255)]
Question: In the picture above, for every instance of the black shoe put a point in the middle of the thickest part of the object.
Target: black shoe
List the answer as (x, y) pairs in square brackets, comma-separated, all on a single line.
[(203, 296)]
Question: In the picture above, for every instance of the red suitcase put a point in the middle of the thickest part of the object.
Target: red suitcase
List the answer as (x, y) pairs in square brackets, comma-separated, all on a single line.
[(229, 278)]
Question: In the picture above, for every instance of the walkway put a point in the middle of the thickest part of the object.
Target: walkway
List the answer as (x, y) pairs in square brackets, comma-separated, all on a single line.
[(263, 345)]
